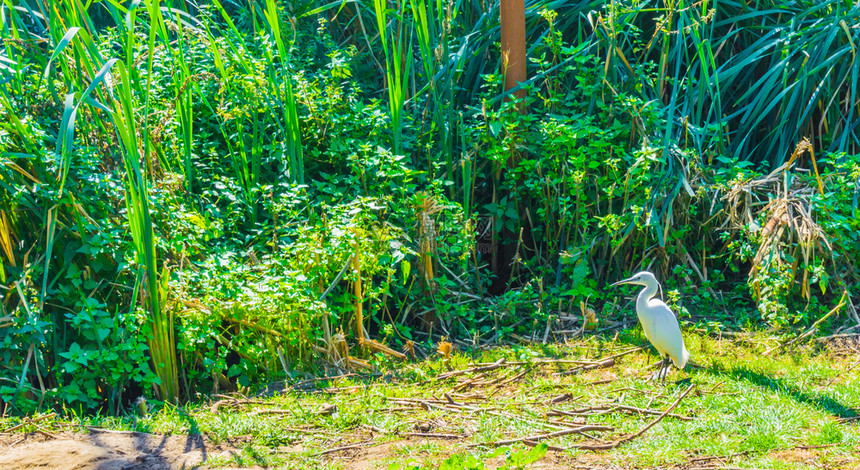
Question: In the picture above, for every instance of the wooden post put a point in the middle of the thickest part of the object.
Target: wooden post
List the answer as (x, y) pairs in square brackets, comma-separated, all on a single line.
[(513, 18)]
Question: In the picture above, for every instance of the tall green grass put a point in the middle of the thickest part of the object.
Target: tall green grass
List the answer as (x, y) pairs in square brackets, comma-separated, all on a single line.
[(397, 52)]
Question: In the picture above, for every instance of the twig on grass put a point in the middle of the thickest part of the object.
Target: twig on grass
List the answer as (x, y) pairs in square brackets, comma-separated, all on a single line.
[(435, 435), (233, 402), (630, 437), (714, 457), (550, 435), (548, 447), (842, 373), (612, 408), (342, 448), (600, 365), (30, 421)]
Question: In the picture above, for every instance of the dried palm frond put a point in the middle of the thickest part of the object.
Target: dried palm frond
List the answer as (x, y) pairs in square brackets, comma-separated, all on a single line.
[(790, 222), (445, 348), (425, 210)]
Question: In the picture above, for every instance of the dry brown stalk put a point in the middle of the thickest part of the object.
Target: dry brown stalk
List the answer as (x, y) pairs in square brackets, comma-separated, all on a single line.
[(359, 314), (715, 457), (351, 361), (379, 347), (635, 410), (302, 383), (788, 214)]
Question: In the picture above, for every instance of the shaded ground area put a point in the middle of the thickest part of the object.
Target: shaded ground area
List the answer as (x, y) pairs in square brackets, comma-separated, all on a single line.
[(589, 400), (106, 450)]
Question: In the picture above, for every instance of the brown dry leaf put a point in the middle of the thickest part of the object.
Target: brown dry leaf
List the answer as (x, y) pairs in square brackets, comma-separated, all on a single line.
[(445, 348)]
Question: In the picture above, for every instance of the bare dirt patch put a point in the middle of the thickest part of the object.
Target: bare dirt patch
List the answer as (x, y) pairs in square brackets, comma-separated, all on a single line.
[(815, 458), (105, 451)]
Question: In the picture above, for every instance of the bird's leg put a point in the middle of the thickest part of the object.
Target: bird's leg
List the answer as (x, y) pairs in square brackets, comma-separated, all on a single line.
[(664, 369), (658, 374)]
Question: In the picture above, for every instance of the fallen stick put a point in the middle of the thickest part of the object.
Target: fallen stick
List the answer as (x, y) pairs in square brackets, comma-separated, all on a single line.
[(837, 336), (819, 446), (548, 447), (512, 379), (716, 457), (630, 437), (633, 409), (270, 412), (30, 421), (436, 435), (482, 368), (215, 407), (550, 435), (841, 373), (45, 433), (610, 409), (624, 353), (600, 365), (342, 448), (379, 347)]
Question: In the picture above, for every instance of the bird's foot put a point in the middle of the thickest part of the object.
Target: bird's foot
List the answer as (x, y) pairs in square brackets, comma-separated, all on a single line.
[(662, 370)]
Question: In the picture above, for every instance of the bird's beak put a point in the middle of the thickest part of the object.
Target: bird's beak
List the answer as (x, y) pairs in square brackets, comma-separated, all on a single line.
[(626, 281)]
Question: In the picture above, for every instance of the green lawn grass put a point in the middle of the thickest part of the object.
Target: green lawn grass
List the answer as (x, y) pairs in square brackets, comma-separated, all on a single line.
[(767, 408)]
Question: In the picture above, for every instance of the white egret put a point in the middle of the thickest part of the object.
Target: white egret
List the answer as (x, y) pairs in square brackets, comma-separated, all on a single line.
[(658, 321)]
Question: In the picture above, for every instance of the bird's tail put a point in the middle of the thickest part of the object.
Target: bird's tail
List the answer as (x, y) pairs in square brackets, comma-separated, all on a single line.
[(682, 361)]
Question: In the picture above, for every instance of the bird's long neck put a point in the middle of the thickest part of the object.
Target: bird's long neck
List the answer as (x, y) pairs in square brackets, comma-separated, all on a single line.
[(645, 296)]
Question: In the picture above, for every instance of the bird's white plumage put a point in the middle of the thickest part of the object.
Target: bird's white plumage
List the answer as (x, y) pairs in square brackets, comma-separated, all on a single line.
[(659, 323)]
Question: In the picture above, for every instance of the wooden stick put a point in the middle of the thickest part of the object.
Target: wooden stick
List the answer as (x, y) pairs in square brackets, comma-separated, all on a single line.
[(630, 437), (609, 409), (338, 449), (379, 347), (548, 447), (600, 365), (30, 421), (841, 373), (481, 368), (563, 432), (436, 435), (715, 457)]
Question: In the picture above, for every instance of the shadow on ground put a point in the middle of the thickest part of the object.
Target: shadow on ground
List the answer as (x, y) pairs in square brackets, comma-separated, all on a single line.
[(782, 386)]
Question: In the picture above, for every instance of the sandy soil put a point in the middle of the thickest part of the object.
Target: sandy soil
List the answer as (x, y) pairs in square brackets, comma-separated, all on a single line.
[(105, 451)]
